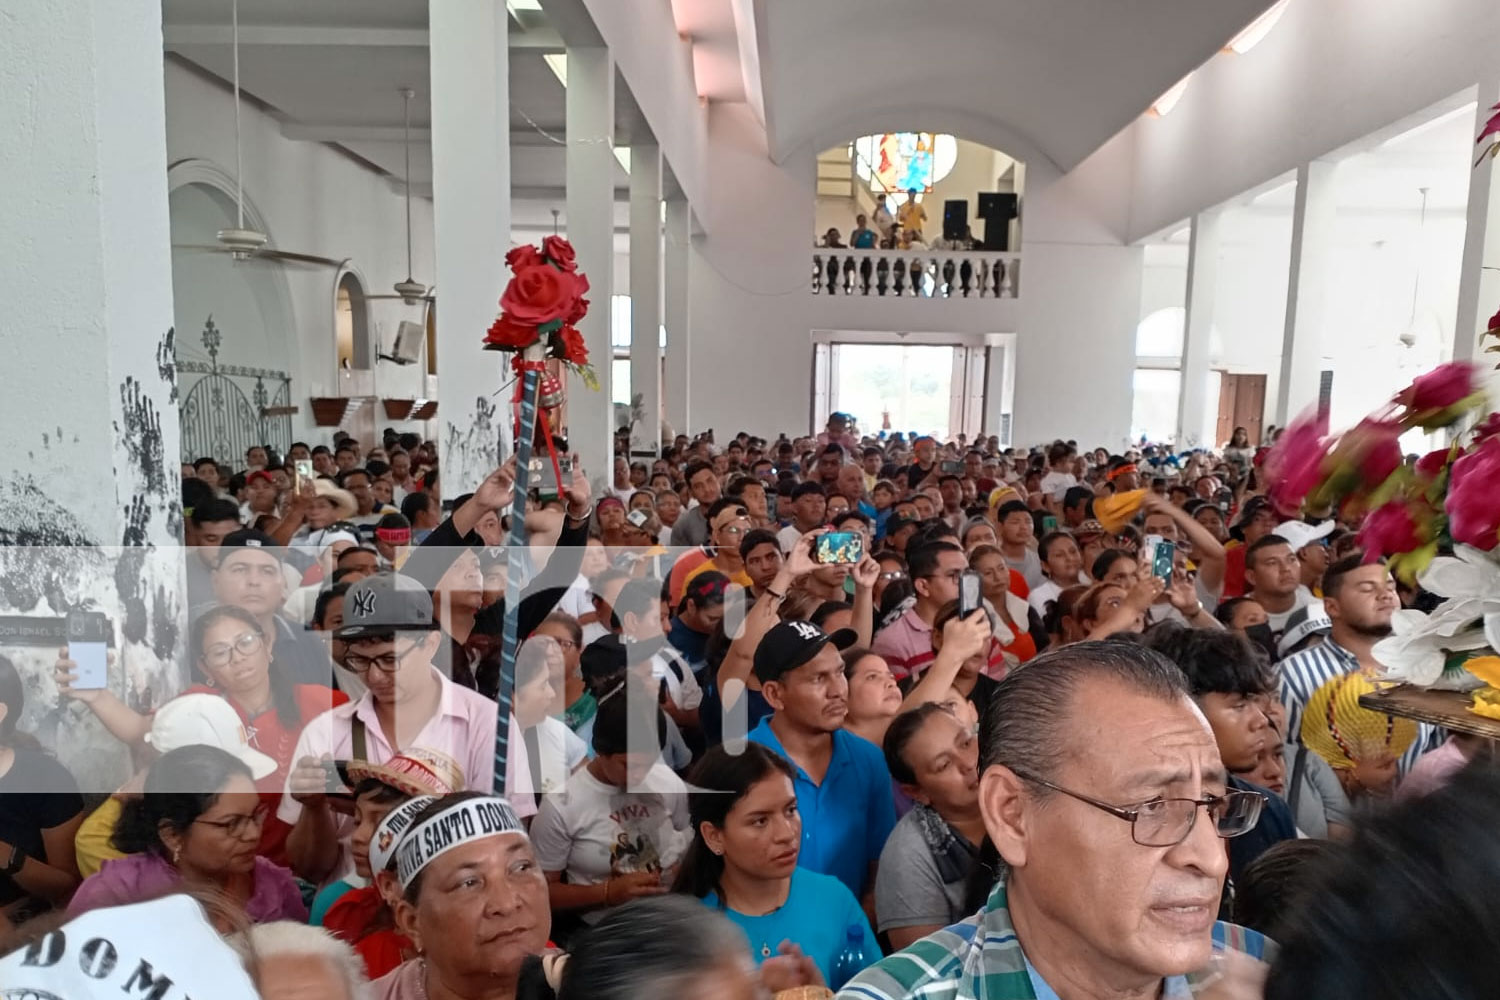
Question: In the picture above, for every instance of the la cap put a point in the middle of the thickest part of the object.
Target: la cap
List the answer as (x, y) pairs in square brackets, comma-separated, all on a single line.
[(791, 644), (206, 720)]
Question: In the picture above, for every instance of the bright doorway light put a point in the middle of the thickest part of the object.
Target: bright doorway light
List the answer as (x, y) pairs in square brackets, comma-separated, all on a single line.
[(557, 62), (1257, 30), (622, 157), (1166, 102), (516, 6)]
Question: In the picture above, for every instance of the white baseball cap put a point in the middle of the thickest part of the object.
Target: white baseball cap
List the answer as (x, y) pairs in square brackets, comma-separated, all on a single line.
[(1299, 534), (206, 720)]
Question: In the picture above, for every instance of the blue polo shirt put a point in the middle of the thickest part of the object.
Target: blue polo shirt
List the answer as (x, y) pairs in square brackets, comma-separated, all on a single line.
[(847, 818)]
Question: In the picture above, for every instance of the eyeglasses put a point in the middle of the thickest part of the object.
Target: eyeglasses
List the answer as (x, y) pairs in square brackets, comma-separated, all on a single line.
[(895, 574), (219, 654), (235, 826), (1167, 822), (952, 576), (385, 663), (733, 529)]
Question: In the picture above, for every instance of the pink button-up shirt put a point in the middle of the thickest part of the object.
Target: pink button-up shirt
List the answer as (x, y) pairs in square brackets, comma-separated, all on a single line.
[(463, 728)]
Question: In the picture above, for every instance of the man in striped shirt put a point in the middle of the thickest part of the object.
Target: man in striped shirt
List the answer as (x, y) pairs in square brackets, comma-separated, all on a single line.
[(1360, 598)]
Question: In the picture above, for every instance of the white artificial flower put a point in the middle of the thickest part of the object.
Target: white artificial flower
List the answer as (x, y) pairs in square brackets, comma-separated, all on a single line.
[(1470, 580), (1418, 647)]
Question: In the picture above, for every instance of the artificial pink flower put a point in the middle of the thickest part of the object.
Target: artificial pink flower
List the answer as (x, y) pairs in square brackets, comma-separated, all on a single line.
[(1473, 502), (1294, 465), (1440, 388), (1432, 464), (1376, 446), (1491, 127), (1389, 530), (1487, 428)]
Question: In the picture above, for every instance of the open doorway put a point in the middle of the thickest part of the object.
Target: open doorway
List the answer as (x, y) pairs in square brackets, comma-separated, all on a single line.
[(922, 388)]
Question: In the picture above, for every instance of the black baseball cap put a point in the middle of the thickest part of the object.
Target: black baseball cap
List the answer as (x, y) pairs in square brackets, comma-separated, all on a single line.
[(249, 538), (791, 644), (896, 523), (385, 603)]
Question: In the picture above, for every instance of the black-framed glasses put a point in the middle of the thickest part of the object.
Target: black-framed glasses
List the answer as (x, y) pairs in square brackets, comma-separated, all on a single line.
[(1167, 822), (235, 826), (385, 663), (219, 654)]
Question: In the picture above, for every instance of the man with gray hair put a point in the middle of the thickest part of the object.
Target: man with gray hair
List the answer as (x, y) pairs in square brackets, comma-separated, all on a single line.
[(292, 961), (1103, 793)]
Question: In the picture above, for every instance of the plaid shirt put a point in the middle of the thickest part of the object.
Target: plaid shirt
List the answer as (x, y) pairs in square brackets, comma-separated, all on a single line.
[(981, 959)]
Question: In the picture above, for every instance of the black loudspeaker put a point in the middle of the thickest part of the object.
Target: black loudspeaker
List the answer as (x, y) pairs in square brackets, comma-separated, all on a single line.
[(955, 218), (997, 210)]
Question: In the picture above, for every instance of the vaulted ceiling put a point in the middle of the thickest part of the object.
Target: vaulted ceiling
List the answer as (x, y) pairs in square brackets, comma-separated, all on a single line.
[(1058, 76)]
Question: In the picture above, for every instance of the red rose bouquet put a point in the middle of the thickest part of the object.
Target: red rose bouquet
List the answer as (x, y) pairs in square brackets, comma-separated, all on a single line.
[(542, 304)]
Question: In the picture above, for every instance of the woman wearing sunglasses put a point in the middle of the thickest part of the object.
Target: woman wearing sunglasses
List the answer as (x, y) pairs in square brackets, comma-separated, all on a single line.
[(197, 824)]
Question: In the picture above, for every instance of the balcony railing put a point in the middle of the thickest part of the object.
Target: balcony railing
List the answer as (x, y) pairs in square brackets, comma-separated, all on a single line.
[(916, 274)]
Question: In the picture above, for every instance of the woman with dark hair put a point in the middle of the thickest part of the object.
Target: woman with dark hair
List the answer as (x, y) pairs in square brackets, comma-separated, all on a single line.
[(198, 822), (40, 811), (473, 903), (233, 657), (747, 835), (920, 884), (874, 696), (618, 828)]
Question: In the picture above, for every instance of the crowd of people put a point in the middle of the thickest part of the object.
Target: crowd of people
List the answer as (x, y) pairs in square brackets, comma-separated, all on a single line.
[(882, 715), (901, 231)]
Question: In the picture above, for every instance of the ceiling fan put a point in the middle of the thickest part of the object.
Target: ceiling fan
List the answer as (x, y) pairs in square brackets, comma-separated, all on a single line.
[(242, 242), (409, 291)]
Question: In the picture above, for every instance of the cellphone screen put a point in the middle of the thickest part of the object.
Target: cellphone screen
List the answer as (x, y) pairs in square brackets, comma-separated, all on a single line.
[(968, 593), (840, 547), (88, 634), (952, 468)]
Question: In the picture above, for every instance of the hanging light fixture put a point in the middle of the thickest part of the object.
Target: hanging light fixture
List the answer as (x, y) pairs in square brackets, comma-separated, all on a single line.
[(1408, 336)]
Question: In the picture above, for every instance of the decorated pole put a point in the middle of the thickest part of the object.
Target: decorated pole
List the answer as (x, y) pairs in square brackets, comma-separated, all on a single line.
[(514, 581), (541, 304)]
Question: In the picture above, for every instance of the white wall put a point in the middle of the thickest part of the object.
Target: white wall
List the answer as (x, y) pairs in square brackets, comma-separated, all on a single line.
[(314, 199)]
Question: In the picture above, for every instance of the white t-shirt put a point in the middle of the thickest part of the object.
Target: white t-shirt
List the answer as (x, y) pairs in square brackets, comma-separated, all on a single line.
[(560, 752), (594, 832), (1055, 484), (1277, 621), (1048, 590), (788, 537)]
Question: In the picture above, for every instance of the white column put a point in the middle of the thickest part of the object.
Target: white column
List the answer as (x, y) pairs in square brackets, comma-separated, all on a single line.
[(677, 315), (1478, 288), (1202, 281), (470, 59), (1306, 290), (591, 213), (645, 296), (90, 402)]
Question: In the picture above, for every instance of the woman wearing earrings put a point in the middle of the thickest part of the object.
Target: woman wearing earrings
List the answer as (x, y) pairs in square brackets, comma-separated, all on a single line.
[(197, 824)]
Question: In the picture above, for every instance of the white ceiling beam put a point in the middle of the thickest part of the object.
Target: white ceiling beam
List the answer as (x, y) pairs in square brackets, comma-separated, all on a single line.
[(519, 192), (177, 35), (299, 132)]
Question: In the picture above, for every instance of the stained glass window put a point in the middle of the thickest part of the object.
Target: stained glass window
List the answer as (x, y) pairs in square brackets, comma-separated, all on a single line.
[(896, 162)]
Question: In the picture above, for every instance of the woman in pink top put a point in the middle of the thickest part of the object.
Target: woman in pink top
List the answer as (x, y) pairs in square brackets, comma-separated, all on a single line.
[(197, 825)]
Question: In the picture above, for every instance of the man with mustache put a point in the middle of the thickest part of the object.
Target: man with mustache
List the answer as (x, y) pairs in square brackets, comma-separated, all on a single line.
[(842, 784), (1103, 793)]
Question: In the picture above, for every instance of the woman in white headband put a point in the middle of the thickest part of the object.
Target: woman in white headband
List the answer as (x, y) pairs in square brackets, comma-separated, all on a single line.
[(474, 904)]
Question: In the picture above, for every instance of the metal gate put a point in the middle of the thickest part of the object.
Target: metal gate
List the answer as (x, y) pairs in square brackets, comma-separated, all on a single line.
[(219, 420)]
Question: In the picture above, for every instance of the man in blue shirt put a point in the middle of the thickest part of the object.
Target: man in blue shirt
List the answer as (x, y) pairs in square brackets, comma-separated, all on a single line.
[(843, 787)]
